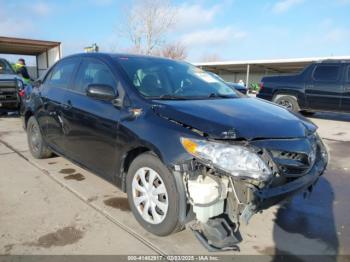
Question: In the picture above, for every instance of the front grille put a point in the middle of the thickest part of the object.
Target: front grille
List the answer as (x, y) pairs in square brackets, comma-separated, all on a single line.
[(8, 91), (292, 164)]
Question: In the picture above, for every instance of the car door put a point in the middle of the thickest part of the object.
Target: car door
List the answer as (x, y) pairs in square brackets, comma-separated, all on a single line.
[(324, 91), (52, 92), (92, 125), (345, 103)]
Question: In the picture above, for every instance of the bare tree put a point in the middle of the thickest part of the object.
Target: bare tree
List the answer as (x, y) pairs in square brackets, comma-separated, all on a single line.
[(147, 23), (174, 51)]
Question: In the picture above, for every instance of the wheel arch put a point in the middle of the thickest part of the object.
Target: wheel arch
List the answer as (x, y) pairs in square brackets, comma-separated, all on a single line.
[(27, 115), (128, 158), (298, 95)]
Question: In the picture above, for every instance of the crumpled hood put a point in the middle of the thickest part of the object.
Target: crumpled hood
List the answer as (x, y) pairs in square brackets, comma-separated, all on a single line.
[(247, 118)]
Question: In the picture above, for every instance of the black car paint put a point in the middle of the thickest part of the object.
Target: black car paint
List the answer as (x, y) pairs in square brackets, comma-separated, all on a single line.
[(105, 143), (311, 95)]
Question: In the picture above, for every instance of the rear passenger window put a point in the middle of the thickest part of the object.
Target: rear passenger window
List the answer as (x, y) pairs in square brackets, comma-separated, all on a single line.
[(93, 72), (348, 74), (326, 72), (62, 73)]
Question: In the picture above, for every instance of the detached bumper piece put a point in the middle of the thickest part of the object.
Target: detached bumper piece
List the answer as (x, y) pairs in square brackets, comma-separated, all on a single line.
[(217, 235)]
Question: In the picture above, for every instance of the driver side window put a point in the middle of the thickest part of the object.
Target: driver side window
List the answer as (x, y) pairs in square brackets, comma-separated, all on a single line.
[(93, 72), (61, 74)]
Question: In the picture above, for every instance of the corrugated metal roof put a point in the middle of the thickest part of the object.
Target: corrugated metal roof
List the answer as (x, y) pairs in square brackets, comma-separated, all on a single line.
[(289, 65), (11, 45)]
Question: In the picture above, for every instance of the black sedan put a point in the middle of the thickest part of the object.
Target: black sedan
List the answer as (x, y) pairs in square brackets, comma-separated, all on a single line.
[(182, 144)]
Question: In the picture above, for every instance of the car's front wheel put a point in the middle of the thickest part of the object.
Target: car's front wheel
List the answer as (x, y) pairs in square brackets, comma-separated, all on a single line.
[(37, 145), (152, 195)]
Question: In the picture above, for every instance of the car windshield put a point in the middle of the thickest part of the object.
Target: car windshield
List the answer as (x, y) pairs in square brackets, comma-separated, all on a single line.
[(5, 67), (157, 78)]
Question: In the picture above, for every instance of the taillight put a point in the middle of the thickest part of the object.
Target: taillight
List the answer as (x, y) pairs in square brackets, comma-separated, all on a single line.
[(22, 93)]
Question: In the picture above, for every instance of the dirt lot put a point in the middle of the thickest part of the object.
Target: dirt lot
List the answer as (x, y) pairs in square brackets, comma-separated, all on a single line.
[(54, 207)]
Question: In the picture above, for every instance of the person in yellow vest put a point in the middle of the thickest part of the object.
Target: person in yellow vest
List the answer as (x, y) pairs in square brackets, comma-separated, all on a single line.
[(21, 69)]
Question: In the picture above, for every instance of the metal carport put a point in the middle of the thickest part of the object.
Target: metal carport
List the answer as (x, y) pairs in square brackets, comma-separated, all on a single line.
[(46, 52), (248, 69)]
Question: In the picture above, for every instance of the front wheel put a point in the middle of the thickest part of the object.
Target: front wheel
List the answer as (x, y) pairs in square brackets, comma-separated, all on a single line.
[(153, 196), (289, 102), (37, 145)]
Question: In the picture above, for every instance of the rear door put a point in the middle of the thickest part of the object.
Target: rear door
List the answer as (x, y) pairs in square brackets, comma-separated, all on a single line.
[(325, 90), (345, 104), (92, 125), (53, 91)]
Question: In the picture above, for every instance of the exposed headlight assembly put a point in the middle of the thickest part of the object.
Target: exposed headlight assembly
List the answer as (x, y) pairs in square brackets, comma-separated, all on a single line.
[(237, 160)]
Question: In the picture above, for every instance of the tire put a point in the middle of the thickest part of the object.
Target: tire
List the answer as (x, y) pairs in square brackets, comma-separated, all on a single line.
[(289, 102), (307, 113), (161, 222), (36, 144)]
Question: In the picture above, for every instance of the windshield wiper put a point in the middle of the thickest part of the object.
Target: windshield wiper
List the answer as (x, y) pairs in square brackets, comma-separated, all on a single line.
[(217, 95), (169, 97)]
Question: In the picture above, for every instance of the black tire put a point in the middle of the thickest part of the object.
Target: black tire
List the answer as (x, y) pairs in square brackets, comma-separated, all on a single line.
[(307, 113), (170, 224), (37, 146), (287, 101)]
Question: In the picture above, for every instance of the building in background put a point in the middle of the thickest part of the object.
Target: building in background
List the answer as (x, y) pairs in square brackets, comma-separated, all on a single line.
[(91, 49), (251, 71), (46, 53)]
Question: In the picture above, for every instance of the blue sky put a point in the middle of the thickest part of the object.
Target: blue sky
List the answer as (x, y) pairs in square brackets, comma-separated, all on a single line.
[(229, 29)]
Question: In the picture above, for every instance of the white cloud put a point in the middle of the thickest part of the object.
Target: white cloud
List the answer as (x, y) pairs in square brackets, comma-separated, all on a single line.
[(194, 16), (41, 8), (212, 37), (343, 2), (283, 6), (7, 22)]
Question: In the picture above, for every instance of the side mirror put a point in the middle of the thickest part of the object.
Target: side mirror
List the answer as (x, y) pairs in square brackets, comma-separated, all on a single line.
[(102, 92)]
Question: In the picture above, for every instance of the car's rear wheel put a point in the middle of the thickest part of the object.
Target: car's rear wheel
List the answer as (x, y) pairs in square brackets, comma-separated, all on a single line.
[(152, 195), (289, 102), (36, 143)]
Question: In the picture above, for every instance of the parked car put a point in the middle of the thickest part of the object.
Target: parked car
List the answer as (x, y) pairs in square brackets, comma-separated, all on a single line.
[(321, 86), (11, 86), (234, 86), (184, 146), (238, 87)]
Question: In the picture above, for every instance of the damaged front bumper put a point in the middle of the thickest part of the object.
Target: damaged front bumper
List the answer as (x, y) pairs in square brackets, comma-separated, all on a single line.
[(267, 197), (221, 202)]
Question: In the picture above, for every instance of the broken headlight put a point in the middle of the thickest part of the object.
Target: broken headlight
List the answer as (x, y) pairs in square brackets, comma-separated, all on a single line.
[(237, 160)]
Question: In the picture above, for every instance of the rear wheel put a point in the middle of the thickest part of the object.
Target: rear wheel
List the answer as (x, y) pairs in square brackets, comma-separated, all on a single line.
[(36, 143), (289, 102), (152, 195)]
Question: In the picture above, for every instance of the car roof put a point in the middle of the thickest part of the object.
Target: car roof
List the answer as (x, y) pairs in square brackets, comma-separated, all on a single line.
[(115, 55)]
